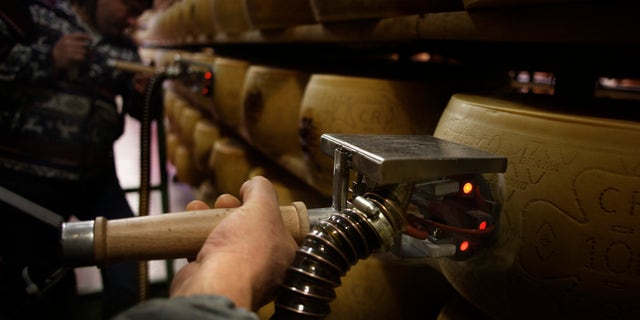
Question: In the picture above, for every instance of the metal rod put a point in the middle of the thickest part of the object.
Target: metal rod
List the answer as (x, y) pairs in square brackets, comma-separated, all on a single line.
[(341, 164)]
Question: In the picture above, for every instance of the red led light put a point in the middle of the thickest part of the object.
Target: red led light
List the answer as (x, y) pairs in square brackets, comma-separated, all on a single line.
[(464, 245), (482, 225), (208, 75), (467, 188), (205, 91)]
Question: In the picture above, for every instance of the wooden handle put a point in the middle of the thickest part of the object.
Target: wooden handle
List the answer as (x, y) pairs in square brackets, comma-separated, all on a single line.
[(131, 66), (173, 235)]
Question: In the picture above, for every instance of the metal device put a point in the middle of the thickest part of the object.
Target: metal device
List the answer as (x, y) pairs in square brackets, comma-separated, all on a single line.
[(414, 196), (449, 197), (198, 76)]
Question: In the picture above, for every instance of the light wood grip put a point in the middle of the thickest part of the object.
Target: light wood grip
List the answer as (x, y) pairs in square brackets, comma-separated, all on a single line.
[(173, 235), (132, 66)]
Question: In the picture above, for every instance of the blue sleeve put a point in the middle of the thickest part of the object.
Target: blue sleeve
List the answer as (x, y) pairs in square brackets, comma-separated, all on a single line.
[(202, 307)]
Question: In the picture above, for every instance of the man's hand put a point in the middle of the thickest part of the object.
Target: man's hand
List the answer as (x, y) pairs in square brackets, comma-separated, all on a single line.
[(71, 50), (246, 256)]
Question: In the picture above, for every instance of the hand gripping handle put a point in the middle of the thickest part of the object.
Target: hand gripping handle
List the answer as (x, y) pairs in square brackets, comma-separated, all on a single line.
[(165, 236)]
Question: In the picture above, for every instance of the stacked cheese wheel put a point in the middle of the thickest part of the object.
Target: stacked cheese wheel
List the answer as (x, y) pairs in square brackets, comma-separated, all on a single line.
[(187, 121), (173, 23), (484, 4), (173, 106), (189, 138), (270, 101), (382, 288), (343, 104), (289, 188), (568, 244), (270, 14), (229, 164), (205, 134), (330, 10), (230, 16), (186, 171), (169, 100), (230, 76), (204, 25)]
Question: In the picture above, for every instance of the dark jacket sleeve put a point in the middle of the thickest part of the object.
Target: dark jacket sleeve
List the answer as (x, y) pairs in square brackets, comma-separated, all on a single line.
[(204, 307), (15, 19), (24, 61)]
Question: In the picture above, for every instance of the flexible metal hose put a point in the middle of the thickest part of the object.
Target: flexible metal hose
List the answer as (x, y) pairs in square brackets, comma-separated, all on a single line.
[(151, 98), (326, 254), (332, 247)]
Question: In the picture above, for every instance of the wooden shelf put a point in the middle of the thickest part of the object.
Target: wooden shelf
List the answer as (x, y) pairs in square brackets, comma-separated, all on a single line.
[(612, 23), (598, 36)]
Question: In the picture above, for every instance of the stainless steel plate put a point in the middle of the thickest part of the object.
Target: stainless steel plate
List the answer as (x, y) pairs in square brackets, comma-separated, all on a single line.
[(405, 158)]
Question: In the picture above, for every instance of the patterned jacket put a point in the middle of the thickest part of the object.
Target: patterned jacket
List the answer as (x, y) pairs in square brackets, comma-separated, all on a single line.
[(59, 125)]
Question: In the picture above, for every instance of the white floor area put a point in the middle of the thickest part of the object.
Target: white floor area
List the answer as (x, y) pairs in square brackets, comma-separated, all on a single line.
[(127, 151)]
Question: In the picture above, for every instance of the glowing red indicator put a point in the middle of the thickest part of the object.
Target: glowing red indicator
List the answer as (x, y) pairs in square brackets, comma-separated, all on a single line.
[(464, 245), (205, 91), (208, 75), (467, 188), (482, 225)]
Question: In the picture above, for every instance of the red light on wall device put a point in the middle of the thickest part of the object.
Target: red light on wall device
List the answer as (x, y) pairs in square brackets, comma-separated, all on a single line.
[(208, 75), (482, 225), (467, 187), (464, 245)]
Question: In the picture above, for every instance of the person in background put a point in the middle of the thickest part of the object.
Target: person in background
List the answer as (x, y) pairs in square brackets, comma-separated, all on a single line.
[(62, 109), (238, 268)]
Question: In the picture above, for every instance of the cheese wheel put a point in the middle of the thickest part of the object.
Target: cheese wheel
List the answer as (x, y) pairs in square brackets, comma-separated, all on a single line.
[(206, 192), (175, 23), (270, 102), (172, 143), (175, 113), (269, 14), (341, 104), (188, 120), (229, 165), (205, 27), (169, 100), (480, 4), (289, 188), (205, 134), (186, 172), (227, 87), (331, 10), (186, 14), (151, 24), (230, 16), (379, 288), (460, 309), (567, 240), (158, 25)]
